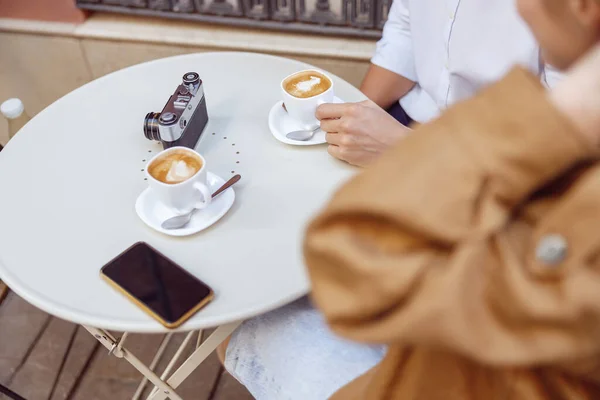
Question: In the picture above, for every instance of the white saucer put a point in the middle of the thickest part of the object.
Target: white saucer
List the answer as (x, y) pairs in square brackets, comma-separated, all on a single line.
[(280, 124), (153, 212)]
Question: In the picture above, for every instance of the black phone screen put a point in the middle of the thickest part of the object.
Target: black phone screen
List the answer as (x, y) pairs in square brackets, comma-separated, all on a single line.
[(157, 282)]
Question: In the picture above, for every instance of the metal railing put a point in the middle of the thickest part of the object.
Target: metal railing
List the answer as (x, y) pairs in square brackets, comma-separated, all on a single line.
[(357, 18)]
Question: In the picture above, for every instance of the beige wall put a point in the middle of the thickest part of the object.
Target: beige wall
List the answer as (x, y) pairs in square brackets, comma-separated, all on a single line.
[(40, 69), (106, 56)]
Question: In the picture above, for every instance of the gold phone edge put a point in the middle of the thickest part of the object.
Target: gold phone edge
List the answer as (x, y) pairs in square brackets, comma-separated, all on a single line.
[(147, 310)]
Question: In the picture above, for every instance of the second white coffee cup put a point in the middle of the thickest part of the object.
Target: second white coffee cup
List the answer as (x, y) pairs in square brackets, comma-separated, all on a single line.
[(182, 197), (303, 109)]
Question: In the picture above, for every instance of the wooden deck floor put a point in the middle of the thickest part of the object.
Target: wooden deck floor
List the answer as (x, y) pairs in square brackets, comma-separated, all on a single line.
[(45, 358)]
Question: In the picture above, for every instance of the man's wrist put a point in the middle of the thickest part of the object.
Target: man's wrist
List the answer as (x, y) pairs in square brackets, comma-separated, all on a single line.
[(577, 97), (575, 110)]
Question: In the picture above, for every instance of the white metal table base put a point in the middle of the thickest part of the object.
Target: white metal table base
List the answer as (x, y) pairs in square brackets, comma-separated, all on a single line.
[(165, 385)]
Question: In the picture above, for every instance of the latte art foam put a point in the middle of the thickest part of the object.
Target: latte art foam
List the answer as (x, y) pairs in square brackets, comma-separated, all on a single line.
[(306, 84), (179, 172), (175, 166)]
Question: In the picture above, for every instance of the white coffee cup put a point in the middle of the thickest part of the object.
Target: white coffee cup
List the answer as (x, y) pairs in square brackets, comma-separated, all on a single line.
[(182, 197), (303, 109)]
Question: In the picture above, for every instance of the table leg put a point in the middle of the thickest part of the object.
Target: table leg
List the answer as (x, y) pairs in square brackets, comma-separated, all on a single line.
[(196, 358), (3, 287), (153, 364), (174, 360), (164, 389), (200, 338), (114, 348)]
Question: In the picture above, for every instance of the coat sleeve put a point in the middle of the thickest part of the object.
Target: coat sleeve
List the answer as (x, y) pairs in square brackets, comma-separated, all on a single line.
[(426, 248)]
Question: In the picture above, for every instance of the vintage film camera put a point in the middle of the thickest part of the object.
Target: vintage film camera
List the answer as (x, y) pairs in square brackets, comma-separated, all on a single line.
[(184, 117)]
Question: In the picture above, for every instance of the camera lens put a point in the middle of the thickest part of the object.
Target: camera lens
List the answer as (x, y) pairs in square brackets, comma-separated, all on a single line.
[(151, 130)]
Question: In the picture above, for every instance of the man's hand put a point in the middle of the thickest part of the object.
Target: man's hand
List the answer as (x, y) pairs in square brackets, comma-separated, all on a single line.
[(359, 132)]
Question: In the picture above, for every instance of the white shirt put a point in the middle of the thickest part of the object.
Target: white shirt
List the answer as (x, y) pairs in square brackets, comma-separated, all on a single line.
[(453, 48)]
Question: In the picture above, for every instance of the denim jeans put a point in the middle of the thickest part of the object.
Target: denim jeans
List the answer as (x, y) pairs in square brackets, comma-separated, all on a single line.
[(290, 354)]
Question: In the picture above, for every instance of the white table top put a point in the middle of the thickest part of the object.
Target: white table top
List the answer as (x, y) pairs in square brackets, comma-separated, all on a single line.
[(71, 176)]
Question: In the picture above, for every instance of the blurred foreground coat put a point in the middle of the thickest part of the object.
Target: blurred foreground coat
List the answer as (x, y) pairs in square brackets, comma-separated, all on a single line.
[(473, 250)]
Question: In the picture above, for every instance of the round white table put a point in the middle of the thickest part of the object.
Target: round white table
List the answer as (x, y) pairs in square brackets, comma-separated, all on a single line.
[(71, 176)]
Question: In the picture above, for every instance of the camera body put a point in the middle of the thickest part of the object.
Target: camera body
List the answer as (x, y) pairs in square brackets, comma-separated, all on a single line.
[(184, 117)]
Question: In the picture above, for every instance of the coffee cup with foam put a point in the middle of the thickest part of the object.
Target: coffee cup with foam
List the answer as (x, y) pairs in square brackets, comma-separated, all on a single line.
[(303, 92), (178, 178)]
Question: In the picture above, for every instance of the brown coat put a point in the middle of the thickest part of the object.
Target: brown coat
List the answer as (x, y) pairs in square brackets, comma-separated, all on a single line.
[(444, 250)]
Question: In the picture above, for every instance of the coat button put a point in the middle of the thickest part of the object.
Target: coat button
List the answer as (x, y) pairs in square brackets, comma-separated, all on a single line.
[(551, 250)]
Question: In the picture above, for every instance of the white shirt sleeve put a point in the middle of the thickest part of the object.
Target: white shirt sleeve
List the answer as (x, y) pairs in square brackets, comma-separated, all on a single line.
[(551, 76), (395, 49)]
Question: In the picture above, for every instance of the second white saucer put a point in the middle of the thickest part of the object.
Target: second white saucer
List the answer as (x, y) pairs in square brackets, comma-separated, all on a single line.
[(153, 212), (280, 124)]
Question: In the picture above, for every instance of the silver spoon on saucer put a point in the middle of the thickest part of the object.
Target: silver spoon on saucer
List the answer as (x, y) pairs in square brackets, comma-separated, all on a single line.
[(302, 135), (180, 221)]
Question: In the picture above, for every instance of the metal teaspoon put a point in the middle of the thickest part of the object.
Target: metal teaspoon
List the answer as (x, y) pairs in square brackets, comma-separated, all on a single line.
[(180, 221), (303, 135)]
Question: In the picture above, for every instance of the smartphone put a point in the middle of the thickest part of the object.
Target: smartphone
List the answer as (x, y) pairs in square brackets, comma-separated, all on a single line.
[(157, 285)]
